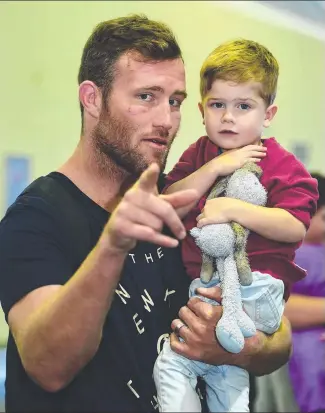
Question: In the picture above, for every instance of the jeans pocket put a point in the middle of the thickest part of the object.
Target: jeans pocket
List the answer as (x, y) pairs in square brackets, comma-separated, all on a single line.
[(267, 313)]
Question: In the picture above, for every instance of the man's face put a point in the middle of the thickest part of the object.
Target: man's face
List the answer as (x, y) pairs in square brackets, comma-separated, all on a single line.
[(143, 114), (235, 114)]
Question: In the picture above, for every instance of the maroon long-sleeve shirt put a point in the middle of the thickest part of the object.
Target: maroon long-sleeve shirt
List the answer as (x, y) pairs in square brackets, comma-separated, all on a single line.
[(289, 186)]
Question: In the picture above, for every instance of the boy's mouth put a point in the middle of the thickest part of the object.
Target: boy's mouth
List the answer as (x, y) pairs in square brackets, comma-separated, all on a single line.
[(228, 132)]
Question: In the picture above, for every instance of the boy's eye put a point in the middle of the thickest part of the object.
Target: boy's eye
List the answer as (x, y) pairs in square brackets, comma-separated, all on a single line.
[(244, 106), (217, 105)]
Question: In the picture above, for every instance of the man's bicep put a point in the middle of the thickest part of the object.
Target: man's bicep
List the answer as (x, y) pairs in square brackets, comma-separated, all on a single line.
[(31, 255)]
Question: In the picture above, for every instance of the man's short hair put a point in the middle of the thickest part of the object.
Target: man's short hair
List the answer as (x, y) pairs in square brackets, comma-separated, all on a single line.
[(151, 39)]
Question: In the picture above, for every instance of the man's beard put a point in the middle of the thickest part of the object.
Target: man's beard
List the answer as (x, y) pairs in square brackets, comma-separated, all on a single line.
[(111, 139)]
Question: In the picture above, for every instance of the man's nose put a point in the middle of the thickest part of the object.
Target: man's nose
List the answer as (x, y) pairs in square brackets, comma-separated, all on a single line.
[(163, 117)]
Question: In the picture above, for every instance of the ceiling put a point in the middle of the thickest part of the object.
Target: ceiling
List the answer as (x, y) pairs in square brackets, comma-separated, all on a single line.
[(311, 11)]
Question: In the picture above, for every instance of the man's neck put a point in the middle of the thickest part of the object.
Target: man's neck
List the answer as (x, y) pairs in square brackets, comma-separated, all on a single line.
[(105, 186)]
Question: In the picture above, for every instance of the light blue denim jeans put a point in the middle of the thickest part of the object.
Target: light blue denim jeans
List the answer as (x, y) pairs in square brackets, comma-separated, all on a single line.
[(227, 387)]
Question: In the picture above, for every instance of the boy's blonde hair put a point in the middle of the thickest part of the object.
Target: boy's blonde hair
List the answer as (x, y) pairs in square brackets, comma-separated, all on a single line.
[(241, 61)]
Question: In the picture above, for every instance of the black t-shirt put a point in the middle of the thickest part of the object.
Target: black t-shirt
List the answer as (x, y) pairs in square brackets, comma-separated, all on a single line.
[(35, 251)]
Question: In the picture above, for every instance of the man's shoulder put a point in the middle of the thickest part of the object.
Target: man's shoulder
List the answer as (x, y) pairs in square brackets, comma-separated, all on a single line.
[(27, 203), (44, 207)]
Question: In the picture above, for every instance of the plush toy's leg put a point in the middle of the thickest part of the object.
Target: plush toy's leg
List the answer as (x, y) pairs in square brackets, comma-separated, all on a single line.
[(227, 331), (246, 324), (234, 323)]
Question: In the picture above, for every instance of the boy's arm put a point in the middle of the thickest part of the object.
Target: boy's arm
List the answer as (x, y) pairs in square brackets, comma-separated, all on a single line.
[(200, 180), (292, 201), (203, 178), (272, 223)]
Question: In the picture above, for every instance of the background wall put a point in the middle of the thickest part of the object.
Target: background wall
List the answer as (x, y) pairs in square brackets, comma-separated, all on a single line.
[(41, 45)]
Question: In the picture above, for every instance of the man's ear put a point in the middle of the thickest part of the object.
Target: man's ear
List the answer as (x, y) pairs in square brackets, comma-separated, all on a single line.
[(269, 115), (200, 106), (91, 98)]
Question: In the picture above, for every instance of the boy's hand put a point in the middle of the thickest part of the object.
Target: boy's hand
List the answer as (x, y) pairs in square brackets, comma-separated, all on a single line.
[(218, 211), (234, 159)]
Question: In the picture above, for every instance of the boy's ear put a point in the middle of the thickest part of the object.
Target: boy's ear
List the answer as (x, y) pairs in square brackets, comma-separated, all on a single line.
[(200, 106), (269, 115)]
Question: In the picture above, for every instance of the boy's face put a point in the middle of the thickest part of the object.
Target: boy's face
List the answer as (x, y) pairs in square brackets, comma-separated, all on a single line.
[(235, 114)]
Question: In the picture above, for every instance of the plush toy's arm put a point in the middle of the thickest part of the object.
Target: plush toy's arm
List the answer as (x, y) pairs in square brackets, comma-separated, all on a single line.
[(243, 267), (206, 269)]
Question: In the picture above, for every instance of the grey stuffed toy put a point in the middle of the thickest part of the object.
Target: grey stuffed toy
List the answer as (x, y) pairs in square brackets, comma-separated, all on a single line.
[(224, 257)]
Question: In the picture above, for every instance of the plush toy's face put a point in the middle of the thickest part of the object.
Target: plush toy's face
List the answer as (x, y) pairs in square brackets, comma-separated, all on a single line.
[(247, 187), (215, 240)]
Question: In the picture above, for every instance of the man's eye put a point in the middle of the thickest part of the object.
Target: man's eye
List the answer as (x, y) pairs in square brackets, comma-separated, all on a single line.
[(175, 102), (147, 97)]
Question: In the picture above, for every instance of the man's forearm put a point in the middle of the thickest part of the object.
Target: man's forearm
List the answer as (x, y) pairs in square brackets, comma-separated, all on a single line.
[(263, 353), (305, 312), (272, 223), (64, 333)]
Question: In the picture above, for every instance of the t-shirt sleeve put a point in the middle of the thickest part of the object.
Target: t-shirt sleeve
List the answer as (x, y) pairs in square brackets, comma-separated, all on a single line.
[(294, 190), (31, 254), (184, 167)]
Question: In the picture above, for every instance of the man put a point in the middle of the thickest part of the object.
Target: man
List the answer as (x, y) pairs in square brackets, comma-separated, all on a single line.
[(84, 334)]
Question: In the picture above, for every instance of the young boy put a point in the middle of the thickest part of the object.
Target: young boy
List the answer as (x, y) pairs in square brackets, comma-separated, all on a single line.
[(238, 88)]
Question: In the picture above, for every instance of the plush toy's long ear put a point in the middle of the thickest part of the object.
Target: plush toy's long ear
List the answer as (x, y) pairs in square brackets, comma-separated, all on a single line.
[(253, 168), (206, 269), (219, 187), (241, 258)]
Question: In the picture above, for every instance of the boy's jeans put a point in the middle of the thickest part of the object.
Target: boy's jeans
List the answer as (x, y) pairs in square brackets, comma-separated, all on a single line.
[(227, 387)]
